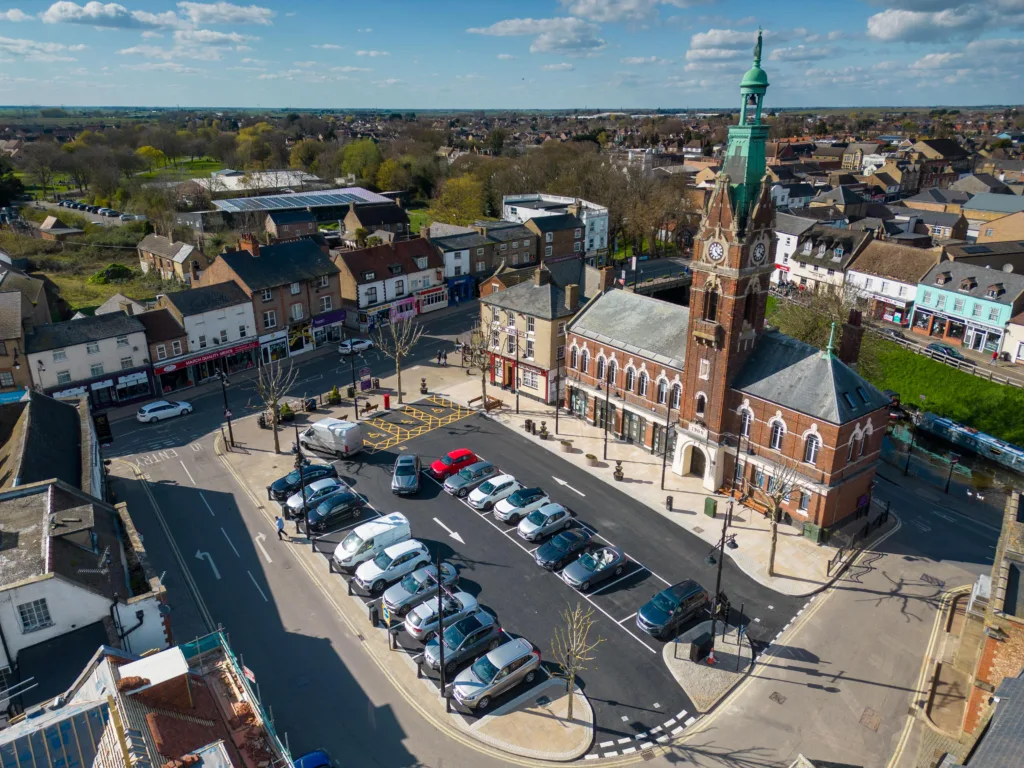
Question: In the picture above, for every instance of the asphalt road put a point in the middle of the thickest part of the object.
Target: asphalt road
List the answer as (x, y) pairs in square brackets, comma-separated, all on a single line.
[(627, 683)]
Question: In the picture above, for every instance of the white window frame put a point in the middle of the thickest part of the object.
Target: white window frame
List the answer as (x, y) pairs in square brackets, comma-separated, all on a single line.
[(324, 281), (131, 363), (776, 445), (270, 319), (705, 369), (295, 288), (62, 354), (296, 312), (63, 377), (175, 348), (93, 369), (34, 615), (267, 294), (325, 304), (161, 351), (122, 341)]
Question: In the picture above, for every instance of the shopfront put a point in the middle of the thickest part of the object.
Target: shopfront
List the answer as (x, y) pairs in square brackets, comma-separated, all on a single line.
[(941, 326), (578, 402), (109, 391), (300, 337), (890, 310), (327, 327), (432, 299), (185, 372), (384, 314), (273, 347), (461, 288)]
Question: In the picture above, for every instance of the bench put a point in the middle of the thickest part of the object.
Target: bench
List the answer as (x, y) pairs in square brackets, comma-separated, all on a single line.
[(370, 408)]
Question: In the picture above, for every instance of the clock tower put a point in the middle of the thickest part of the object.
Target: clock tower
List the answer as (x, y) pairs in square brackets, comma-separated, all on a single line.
[(733, 258)]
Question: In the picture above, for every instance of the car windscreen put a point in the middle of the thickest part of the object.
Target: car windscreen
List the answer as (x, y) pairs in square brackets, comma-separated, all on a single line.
[(487, 488), (484, 670), (519, 498), (405, 470), (537, 517), (665, 601), (447, 460), (588, 562), (453, 636), (382, 560), (411, 584), (352, 542), (561, 542), (292, 478), (465, 474)]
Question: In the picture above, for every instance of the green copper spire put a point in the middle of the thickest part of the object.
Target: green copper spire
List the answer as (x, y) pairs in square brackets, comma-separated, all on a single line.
[(831, 341), (745, 155)]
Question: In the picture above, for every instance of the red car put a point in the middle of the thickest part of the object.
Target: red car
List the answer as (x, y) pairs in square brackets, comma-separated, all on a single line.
[(451, 463)]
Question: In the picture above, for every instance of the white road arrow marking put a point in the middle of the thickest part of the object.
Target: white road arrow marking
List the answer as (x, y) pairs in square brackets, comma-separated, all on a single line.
[(200, 555), (562, 482), (451, 533), (260, 538)]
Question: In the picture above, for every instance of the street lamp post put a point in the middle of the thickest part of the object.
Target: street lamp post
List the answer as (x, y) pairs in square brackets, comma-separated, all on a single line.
[(607, 393), (227, 411), (440, 633), (558, 400), (953, 461), (718, 581), (299, 458), (914, 419)]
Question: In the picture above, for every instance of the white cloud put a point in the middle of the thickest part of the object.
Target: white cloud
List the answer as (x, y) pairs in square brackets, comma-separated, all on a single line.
[(562, 67), (835, 34), (166, 66), (191, 37), (107, 15), (623, 10), (635, 60), (329, 47), (724, 38), (714, 54), (558, 35), (927, 26), (225, 13), (372, 53), (852, 76), (506, 56), (15, 15), (351, 69), (389, 82), (936, 60), (800, 53), (30, 50), (201, 44), (470, 76), (150, 34), (365, 30)]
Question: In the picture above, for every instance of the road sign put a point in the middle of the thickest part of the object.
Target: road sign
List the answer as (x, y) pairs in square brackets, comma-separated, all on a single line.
[(227, 414), (385, 613), (365, 382)]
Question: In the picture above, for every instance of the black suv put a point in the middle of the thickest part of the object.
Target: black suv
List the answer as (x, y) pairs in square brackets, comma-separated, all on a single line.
[(338, 506), (290, 484), (663, 614)]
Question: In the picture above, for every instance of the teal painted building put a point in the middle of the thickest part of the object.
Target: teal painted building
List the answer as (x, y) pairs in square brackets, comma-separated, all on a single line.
[(967, 304)]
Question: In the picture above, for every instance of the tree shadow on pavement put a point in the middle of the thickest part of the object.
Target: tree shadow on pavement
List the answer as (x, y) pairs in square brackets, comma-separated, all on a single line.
[(708, 753)]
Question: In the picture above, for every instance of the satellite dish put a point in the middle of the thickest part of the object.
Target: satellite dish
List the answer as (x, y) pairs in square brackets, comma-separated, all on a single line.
[(1007, 267)]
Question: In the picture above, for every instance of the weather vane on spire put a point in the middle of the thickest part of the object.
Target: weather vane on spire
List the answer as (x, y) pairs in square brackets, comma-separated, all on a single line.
[(757, 49)]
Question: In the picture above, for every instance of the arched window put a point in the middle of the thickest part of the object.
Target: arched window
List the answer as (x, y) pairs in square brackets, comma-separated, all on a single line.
[(600, 369), (749, 307), (702, 403), (574, 358), (584, 361), (860, 445), (662, 392), (630, 379), (611, 372), (677, 396), (711, 304), (811, 446), (745, 421), (641, 385), (777, 432)]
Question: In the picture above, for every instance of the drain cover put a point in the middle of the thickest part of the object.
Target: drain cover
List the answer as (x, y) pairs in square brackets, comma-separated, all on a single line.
[(647, 754), (778, 698), (870, 719), (698, 529)]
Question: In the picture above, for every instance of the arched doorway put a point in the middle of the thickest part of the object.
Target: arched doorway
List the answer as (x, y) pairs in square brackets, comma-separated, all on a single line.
[(698, 462)]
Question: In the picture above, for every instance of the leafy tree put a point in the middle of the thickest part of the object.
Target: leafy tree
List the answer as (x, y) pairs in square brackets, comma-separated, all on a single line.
[(151, 156), (361, 158), (10, 185), (460, 201), (496, 140), (393, 175), (304, 154)]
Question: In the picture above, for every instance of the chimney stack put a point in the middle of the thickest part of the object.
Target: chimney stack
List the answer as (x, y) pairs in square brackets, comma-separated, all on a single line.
[(249, 243), (127, 308), (606, 279), (853, 334), (541, 276), (572, 297)]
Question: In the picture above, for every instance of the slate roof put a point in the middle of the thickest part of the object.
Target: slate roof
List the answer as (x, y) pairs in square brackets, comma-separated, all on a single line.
[(850, 241), (291, 217), (113, 304), (556, 223), (945, 147), (1002, 744), (981, 182), (934, 218), (375, 214), (820, 213), (72, 332), (546, 301), (797, 188), (802, 378), (503, 231), (936, 195), (992, 201), (208, 298), (280, 264), (638, 324), (895, 262), (161, 325), (161, 246), (379, 259), (10, 315), (461, 242), (792, 225), (841, 195), (982, 277), (13, 279)]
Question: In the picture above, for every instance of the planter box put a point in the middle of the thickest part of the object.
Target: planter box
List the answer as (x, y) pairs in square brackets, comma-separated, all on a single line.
[(591, 460)]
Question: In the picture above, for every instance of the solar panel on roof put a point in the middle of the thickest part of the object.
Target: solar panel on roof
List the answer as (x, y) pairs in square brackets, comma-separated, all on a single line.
[(319, 199), (977, 249)]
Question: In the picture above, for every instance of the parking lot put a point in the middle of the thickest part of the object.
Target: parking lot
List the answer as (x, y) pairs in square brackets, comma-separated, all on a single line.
[(635, 698)]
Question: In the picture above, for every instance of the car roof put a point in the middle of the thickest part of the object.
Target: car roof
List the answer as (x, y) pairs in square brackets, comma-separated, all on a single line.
[(458, 453), (510, 651), (534, 489), (684, 588), (500, 478), (479, 465), (404, 546), (474, 621), (343, 494), (552, 507), (326, 482), (408, 458), (147, 406)]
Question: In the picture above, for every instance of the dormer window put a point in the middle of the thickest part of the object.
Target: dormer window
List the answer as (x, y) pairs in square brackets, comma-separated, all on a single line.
[(396, 269), (942, 278), (807, 246), (968, 283), (821, 249), (368, 276), (837, 254), (421, 262), (995, 291)]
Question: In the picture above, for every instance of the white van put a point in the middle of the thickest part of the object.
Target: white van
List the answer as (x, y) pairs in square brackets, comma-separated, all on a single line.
[(364, 542), (341, 438)]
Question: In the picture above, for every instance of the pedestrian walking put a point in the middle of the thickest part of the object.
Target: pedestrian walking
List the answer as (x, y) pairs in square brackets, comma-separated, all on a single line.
[(444, 359), (439, 357), (995, 358), (279, 524)]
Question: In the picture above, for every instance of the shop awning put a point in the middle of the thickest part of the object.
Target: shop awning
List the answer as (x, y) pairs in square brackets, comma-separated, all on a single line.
[(205, 357)]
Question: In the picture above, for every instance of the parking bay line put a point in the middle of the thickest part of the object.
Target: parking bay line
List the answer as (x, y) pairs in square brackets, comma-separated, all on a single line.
[(230, 542), (631, 573), (187, 472), (627, 618)]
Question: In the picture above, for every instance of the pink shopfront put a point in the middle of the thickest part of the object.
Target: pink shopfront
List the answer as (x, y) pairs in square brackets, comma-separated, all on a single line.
[(185, 372)]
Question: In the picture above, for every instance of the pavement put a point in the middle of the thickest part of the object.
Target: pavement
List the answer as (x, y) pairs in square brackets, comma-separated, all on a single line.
[(706, 682)]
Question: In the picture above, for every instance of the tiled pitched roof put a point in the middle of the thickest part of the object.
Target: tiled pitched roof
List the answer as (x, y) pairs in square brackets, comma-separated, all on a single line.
[(375, 214), (555, 223), (279, 264), (290, 217), (895, 262), (72, 332), (163, 247), (161, 325), (208, 298), (10, 314), (401, 254)]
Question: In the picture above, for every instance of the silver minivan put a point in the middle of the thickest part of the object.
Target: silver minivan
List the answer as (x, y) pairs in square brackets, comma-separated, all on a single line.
[(496, 672)]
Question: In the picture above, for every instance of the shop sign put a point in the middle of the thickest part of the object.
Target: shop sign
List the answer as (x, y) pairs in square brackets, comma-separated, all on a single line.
[(329, 318), (141, 375), (102, 384), (365, 380), (207, 357)]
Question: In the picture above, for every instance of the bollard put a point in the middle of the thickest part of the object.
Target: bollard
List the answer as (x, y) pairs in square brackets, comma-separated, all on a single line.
[(423, 386), (668, 503), (528, 425), (374, 613), (348, 583)]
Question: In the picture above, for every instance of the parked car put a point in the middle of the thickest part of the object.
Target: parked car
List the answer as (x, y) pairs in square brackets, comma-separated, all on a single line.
[(405, 477), (892, 333), (392, 564), (668, 610), (163, 409), (423, 622), (470, 477), (342, 505), (351, 346), (545, 521), (563, 548), (594, 567), (314, 494), (945, 350), (521, 503), (466, 639), (416, 587), (370, 539), (496, 672), (284, 487), (452, 462), (490, 492), (315, 759), (126, 217)]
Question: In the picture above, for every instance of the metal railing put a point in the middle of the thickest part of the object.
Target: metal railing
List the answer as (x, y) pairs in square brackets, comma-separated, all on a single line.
[(852, 541)]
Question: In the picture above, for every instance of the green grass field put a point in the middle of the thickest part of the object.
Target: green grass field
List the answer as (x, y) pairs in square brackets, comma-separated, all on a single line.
[(417, 218), (185, 169)]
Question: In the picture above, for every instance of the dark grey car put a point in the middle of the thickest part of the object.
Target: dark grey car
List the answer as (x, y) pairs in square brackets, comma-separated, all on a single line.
[(405, 478), (465, 480), (594, 567), (464, 640)]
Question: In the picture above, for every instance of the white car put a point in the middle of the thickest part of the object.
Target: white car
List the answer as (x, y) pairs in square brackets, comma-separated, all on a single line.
[(315, 493), (492, 491), (520, 504), (162, 409), (392, 564), (544, 521), (349, 346), (422, 622)]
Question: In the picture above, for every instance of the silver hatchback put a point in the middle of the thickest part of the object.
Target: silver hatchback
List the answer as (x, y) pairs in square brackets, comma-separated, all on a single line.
[(496, 672)]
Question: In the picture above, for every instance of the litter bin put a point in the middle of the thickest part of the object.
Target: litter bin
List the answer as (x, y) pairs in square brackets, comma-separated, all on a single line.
[(350, 393), (700, 647), (376, 383), (387, 401)]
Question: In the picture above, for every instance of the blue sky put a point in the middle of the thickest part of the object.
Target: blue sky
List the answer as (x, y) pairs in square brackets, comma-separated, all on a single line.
[(490, 54)]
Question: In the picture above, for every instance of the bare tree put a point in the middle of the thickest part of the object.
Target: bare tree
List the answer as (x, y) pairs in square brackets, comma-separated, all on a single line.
[(273, 383), (477, 353), (397, 340), (778, 487), (572, 647)]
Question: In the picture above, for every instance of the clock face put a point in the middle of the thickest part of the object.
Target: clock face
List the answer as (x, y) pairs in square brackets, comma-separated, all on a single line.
[(716, 251), (759, 253)]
